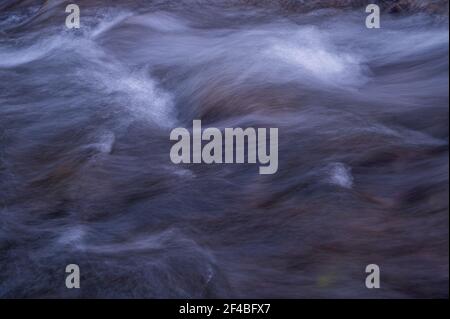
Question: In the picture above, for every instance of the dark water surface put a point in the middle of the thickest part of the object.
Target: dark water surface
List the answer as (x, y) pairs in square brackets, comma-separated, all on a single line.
[(86, 178)]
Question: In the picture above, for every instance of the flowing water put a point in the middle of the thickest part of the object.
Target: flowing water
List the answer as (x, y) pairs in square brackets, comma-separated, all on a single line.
[(86, 177)]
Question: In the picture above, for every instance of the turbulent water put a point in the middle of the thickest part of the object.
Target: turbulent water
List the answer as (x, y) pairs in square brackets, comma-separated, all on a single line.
[(86, 177)]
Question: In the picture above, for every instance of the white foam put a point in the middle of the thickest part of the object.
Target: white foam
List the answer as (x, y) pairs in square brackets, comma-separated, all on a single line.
[(105, 143), (181, 172), (36, 51), (311, 52), (340, 174), (72, 236), (143, 243), (65, 40), (160, 21), (142, 96), (135, 90), (108, 23), (316, 60)]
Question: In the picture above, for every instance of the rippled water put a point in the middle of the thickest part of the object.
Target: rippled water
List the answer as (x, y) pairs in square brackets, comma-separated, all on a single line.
[(86, 178)]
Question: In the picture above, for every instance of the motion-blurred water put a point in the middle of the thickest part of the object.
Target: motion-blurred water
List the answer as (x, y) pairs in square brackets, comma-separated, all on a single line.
[(86, 178)]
